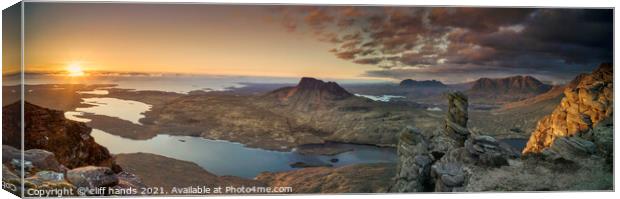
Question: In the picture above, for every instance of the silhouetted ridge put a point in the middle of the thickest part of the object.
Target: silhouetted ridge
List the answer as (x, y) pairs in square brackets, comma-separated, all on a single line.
[(423, 83), (509, 85)]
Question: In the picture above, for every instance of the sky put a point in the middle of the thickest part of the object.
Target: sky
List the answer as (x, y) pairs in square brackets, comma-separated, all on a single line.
[(393, 43)]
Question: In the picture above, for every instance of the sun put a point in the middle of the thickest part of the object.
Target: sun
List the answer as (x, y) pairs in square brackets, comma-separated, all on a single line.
[(75, 70)]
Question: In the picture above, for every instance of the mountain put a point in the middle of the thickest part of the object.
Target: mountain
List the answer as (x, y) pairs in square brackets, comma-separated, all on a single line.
[(507, 89), (48, 129), (409, 83), (310, 93), (551, 97), (584, 105), (509, 85)]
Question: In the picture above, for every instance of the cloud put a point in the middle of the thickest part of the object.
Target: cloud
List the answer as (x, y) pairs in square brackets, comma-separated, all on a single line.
[(405, 41)]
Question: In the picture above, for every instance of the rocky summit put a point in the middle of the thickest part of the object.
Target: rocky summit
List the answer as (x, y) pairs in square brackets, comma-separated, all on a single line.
[(49, 130), (310, 93), (585, 104), (441, 161)]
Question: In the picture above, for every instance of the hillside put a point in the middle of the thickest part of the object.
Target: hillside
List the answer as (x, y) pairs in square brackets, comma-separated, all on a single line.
[(313, 111), (49, 130), (501, 90)]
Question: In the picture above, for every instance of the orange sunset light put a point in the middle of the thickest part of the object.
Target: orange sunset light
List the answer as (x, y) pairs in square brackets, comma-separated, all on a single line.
[(75, 70)]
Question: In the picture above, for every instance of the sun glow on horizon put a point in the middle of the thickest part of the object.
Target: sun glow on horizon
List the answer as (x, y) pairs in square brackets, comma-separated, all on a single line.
[(75, 70)]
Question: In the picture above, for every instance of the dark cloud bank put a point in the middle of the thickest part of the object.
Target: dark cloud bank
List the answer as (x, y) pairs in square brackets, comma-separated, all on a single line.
[(460, 44)]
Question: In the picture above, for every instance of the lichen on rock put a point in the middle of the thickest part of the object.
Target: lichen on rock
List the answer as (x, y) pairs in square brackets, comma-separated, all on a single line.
[(585, 104)]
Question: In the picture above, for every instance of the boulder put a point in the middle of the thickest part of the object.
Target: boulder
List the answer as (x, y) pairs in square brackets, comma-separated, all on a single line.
[(48, 176), (449, 177), (48, 180), (38, 159), (413, 170), (569, 148), (487, 151), (129, 180), (440, 144), (92, 177)]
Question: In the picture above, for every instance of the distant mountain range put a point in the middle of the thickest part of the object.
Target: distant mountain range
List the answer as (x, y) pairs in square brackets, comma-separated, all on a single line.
[(488, 91), (410, 83), (509, 85), (508, 89)]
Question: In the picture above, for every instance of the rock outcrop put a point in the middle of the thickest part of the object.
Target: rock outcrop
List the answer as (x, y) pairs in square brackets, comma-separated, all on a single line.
[(48, 180), (44, 172), (443, 161), (456, 120), (59, 153), (414, 163), (36, 159), (487, 151), (584, 105), (47, 129), (476, 162), (92, 177)]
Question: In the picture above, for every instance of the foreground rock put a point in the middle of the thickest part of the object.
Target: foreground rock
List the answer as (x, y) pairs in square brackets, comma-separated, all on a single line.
[(436, 162), (456, 120), (39, 175), (443, 162), (360, 178), (38, 159), (413, 170), (48, 129), (92, 177), (583, 106), (60, 154)]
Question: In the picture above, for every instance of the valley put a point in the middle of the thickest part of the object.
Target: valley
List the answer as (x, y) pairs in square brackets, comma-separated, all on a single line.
[(312, 130)]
